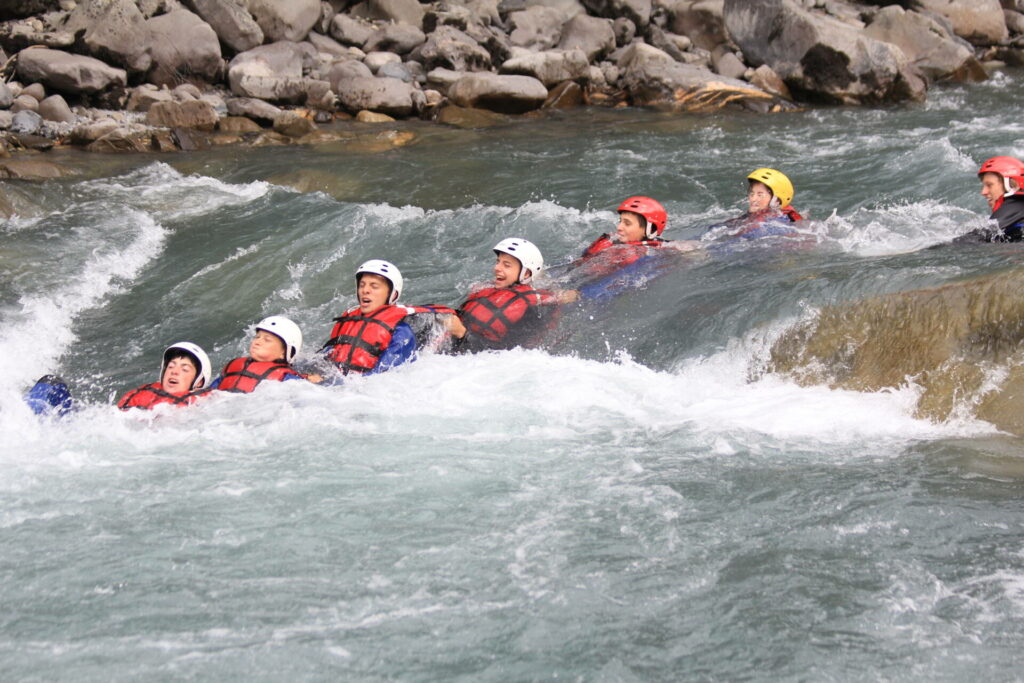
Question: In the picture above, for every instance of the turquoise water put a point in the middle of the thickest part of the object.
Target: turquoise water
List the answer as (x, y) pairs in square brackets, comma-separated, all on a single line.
[(640, 502)]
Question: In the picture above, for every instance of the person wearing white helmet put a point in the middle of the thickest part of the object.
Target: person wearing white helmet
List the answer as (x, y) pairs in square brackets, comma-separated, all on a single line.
[(184, 374), (275, 345), (509, 312), (376, 335)]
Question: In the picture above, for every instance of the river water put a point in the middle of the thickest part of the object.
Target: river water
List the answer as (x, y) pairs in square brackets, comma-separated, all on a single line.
[(640, 501)]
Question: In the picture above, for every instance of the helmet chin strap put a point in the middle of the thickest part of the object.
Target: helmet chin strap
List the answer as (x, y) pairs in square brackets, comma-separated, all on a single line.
[(1010, 189), (775, 203)]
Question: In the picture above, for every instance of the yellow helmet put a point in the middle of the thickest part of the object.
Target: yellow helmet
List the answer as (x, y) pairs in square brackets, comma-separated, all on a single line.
[(776, 181)]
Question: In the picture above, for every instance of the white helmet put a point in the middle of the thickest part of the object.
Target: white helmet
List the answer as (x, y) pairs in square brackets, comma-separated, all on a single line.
[(387, 270), (200, 358), (287, 331), (526, 252)]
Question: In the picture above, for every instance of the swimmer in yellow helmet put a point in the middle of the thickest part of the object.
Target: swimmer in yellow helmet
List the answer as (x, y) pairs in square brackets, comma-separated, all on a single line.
[(769, 212)]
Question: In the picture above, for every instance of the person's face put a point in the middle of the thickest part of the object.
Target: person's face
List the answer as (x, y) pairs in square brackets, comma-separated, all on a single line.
[(266, 347), (178, 376), (992, 188), (506, 271), (372, 292), (759, 197), (630, 227)]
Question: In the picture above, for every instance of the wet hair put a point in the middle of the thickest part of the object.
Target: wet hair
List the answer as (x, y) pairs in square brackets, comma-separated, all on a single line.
[(181, 353), (641, 219)]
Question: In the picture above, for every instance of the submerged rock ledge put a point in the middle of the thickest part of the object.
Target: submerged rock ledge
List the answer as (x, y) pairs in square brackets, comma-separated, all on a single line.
[(163, 75)]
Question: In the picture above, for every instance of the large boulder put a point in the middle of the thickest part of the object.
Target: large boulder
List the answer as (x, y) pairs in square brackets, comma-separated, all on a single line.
[(701, 20), (55, 108), (271, 72), (821, 58), (536, 28), (253, 109), (291, 20), (398, 11), (450, 48), (652, 78), (68, 73), (181, 46), (593, 35), (979, 21), (551, 67), (233, 24), (926, 44), (386, 95), (114, 31), (503, 94)]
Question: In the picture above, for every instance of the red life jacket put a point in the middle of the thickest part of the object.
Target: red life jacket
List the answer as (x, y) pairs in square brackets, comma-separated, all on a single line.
[(243, 374), (605, 241), (492, 312), (358, 341), (151, 395), (792, 214)]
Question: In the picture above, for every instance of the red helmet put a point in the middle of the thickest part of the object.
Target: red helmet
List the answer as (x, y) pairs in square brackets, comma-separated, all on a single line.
[(653, 212), (1009, 169)]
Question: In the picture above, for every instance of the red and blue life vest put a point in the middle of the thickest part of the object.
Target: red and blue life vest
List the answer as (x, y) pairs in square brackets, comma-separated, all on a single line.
[(151, 395), (242, 375)]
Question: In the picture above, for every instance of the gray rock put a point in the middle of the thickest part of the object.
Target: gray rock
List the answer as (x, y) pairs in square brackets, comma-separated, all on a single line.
[(24, 103), (386, 95), (819, 57), (593, 35), (216, 101), (926, 44), (6, 120), (26, 122), (728, 64), (442, 79), (350, 31), (701, 21), (979, 21), (345, 70), (233, 24), (194, 114), (293, 124), (183, 45), (146, 95), (536, 28), (291, 20), (398, 11), (327, 12), (450, 48), (503, 94), (327, 45), (551, 67), (92, 130), (35, 90), (396, 70), (6, 96), (55, 108), (375, 60), (664, 42), (258, 110), (186, 92), (68, 73), (1014, 21), (653, 78), (114, 31), (398, 38), (625, 31), (766, 79), (271, 72)]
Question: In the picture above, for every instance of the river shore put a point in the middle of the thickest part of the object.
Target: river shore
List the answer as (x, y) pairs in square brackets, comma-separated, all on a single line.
[(164, 75)]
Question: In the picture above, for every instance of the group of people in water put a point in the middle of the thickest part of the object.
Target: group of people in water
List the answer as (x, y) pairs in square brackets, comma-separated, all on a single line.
[(379, 333)]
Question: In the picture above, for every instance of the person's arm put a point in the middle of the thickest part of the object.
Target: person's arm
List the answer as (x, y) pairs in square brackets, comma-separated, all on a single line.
[(401, 349)]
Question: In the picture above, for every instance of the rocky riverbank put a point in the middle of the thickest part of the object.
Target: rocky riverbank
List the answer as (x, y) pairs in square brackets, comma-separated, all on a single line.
[(163, 75)]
